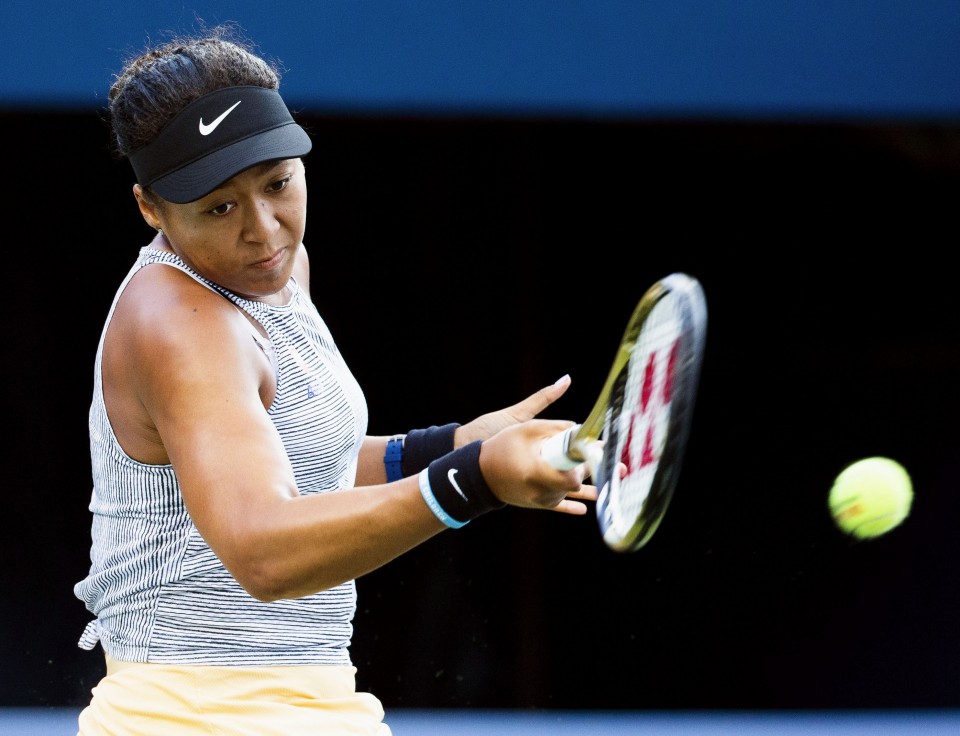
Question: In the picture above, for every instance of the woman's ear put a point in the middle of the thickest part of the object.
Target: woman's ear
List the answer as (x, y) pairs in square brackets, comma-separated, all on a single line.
[(147, 209)]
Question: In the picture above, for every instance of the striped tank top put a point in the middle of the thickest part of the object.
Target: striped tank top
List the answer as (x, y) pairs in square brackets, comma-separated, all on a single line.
[(158, 592)]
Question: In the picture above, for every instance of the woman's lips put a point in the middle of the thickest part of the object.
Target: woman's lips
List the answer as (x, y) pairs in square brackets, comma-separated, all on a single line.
[(273, 261)]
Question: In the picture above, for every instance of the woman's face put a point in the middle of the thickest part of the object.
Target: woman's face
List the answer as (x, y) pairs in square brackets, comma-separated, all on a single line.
[(245, 235)]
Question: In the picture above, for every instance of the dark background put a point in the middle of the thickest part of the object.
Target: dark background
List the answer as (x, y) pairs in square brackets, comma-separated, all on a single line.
[(462, 264), (465, 260)]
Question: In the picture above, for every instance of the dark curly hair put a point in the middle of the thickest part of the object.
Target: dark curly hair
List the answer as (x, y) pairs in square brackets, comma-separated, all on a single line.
[(157, 84)]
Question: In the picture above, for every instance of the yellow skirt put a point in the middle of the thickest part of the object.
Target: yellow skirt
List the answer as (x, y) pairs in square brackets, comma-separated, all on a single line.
[(186, 700)]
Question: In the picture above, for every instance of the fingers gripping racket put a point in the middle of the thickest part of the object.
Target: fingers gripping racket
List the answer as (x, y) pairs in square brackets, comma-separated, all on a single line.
[(642, 416)]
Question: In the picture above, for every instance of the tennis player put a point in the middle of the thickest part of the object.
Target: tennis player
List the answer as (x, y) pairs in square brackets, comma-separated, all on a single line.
[(236, 495)]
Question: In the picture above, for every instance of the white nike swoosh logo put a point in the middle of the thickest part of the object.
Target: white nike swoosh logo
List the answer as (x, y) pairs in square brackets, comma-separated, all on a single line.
[(208, 129), (450, 473)]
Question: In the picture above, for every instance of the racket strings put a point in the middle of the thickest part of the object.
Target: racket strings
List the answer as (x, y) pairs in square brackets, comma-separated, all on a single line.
[(640, 412)]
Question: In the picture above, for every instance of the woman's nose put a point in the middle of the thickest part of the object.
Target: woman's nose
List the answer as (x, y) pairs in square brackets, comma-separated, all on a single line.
[(260, 222)]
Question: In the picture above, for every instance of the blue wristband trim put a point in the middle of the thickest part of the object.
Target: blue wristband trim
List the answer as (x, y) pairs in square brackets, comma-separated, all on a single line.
[(427, 492), (393, 459)]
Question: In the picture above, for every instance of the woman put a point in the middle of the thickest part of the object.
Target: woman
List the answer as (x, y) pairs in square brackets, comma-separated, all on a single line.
[(236, 496)]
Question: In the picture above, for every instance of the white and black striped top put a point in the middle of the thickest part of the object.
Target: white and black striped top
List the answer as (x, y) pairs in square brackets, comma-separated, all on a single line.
[(158, 592)]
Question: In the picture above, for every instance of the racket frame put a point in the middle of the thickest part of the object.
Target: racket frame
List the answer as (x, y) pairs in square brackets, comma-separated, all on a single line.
[(581, 443)]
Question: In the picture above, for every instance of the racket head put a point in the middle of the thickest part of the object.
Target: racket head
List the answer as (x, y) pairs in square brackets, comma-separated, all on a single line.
[(648, 411)]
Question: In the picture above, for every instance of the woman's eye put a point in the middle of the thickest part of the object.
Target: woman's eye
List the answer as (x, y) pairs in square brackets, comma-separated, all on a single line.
[(278, 186), (222, 209)]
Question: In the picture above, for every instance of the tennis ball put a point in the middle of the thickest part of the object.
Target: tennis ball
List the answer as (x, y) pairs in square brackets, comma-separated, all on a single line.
[(870, 497)]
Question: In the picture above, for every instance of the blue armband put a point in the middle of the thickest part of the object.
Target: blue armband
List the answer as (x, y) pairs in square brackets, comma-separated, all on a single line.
[(393, 458)]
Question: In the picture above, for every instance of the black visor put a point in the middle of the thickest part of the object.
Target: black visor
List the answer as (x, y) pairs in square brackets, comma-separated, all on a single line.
[(215, 138)]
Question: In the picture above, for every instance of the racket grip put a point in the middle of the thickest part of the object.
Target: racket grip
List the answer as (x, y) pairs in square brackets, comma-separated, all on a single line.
[(555, 450)]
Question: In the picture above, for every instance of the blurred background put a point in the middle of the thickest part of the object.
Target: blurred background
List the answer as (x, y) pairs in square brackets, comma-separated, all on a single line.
[(492, 187)]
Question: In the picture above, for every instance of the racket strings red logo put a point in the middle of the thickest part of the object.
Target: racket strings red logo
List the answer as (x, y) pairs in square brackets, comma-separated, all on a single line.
[(654, 406)]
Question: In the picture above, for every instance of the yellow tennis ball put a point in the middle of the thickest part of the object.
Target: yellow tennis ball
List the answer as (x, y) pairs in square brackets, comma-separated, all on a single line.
[(870, 497)]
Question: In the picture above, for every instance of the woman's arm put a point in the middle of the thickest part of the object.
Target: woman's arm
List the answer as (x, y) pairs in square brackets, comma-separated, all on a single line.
[(199, 378), (371, 466)]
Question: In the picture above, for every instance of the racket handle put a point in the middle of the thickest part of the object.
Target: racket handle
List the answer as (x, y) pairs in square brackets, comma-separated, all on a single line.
[(555, 450)]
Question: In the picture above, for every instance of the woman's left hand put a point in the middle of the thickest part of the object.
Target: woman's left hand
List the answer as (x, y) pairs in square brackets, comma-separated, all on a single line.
[(487, 425)]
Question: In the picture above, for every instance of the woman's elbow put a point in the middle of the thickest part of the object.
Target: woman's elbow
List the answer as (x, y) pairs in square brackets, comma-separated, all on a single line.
[(271, 580)]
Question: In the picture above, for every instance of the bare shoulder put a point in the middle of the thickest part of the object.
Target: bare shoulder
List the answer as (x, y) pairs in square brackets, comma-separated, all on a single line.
[(171, 344), (162, 306)]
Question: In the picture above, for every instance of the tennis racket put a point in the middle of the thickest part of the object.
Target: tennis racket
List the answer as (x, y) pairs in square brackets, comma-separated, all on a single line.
[(642, 416)]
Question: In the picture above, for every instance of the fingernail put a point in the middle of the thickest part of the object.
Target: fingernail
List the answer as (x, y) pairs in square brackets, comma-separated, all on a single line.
[(565, 378)]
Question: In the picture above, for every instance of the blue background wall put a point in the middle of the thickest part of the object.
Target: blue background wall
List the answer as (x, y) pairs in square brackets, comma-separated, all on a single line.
[(752, 58)]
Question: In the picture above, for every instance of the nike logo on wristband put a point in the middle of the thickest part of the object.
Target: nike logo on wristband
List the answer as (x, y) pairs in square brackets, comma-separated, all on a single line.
[(208, 129), (450, 473)]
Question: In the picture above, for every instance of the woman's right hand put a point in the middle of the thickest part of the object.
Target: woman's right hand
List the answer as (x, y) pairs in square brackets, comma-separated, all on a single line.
[(516, 473)]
